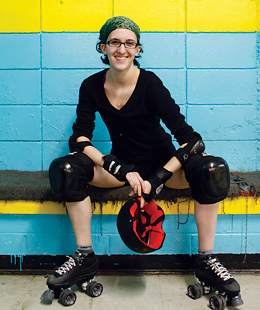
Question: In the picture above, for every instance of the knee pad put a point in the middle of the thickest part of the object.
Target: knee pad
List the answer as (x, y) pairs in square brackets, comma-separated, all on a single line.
[(69, 176), (208, 177)]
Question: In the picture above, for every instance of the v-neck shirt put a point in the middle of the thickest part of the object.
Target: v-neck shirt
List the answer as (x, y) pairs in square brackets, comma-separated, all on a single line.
[(135, 130)]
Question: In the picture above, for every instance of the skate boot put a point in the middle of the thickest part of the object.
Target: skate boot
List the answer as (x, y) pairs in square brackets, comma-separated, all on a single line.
[(79, 269), (213, 276)]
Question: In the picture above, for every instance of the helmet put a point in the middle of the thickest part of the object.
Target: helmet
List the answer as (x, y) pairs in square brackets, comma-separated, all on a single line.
[(141, 229)]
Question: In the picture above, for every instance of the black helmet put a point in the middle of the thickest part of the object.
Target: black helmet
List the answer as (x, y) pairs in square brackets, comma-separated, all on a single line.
[(141, 229)]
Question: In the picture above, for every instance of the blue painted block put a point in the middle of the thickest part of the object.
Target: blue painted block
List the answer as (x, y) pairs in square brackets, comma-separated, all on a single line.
[(101, 244), (117, 246), (103, 147), (108, 224), (30, 223), (24, 156), (20, 87), (179, 224), (19, 51), (176, 243), (62, 86), (50, 244), (229, 243), (57, 122), (251, 243), (240, 155), (163, 50), (241, 223), (70, 50), (97, 224), (175, 82), (100, 132), (221, 50), (52, 150), (13, 244), (226, 122), (20, 123), (222, 86)]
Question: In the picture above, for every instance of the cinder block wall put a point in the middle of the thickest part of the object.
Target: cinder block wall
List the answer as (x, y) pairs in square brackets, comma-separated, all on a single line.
[(206, 53)]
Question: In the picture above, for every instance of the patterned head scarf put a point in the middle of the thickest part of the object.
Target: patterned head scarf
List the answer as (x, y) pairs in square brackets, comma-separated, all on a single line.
[(116, 23)]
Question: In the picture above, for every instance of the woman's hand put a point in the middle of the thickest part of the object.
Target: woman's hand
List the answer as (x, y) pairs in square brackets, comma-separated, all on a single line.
[(147, 190), (139, 186), (136, 182)]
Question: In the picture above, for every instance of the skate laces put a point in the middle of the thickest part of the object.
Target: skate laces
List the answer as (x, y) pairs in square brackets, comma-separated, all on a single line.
[(67, 266), (220, 270)]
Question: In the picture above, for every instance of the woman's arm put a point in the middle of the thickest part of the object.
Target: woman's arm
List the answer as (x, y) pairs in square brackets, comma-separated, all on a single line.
[(133, 178), (94, 154)]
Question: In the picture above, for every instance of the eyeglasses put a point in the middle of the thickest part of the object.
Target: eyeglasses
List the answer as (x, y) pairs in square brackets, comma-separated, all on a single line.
[(117, 43)]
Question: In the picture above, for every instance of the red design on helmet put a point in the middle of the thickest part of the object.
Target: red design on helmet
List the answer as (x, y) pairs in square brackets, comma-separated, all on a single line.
[(141, 229)]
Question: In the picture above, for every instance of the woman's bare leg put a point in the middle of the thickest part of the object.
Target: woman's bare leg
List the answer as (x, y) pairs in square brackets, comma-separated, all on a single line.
[(206, 220), (205, 214), (80, 212)]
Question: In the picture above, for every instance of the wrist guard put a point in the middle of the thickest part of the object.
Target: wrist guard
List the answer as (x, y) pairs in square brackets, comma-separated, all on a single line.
[(194, 146), (78, 146), (117, 167), (157, 181)]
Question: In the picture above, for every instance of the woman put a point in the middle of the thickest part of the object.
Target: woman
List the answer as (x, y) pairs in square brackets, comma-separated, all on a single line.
[(131, 102)]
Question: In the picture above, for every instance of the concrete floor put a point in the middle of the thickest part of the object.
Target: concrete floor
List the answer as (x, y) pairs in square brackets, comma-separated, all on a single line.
[(144, 292)]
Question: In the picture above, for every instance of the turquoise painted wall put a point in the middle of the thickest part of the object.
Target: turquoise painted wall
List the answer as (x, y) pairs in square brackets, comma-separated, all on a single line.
[(207, 54), (212, 76), (53, 235)]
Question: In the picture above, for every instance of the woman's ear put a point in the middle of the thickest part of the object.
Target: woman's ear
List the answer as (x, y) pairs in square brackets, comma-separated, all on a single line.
[(138, 50), (103, 48)]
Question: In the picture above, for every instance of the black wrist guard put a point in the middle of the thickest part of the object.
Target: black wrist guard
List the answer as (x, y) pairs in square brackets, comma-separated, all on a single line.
[(157, 180), (117, 167), (78, 146), (194, 146)]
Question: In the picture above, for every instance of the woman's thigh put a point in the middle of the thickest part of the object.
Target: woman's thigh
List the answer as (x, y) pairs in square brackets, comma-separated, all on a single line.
[(104, 179), (178, 180)]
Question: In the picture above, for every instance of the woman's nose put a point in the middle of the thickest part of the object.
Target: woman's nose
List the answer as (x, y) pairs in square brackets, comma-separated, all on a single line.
[(122, 48)]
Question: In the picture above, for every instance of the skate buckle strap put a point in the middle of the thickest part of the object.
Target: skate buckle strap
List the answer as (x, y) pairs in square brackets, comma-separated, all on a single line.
[(67, 266)]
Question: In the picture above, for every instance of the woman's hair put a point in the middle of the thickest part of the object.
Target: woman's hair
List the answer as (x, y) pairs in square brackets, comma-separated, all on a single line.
[(116, 23)]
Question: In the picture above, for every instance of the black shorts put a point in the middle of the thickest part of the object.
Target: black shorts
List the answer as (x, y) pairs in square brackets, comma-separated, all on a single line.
[(148, 167)]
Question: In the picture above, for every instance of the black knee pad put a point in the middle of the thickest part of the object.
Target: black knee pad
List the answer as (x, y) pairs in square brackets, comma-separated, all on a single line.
[(69, 176), (208, 177)]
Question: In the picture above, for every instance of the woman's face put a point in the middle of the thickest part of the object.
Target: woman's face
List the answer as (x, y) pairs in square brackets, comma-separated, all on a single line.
[(121, 58)]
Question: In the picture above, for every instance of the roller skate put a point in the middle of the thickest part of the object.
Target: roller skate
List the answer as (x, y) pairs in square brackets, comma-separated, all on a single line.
[(213, 276), (79, 270)]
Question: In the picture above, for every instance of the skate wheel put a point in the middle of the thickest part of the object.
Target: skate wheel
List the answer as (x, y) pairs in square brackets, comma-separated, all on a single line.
[(195, 290), (217, 302), (94, 289), (49, 295), (67, 298)]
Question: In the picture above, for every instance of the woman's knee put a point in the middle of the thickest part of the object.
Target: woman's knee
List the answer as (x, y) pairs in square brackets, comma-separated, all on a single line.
[(178, 180), (69, 176), (104, 179)]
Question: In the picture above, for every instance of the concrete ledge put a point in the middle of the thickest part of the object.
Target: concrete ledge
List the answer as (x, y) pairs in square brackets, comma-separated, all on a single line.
[(34, 186), (126, 264)]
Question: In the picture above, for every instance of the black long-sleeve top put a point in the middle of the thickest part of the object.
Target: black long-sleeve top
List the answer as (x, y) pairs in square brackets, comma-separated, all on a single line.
[(135, 129)]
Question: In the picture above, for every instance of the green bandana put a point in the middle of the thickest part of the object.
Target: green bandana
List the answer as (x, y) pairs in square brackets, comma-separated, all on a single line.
[(116, 23)]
